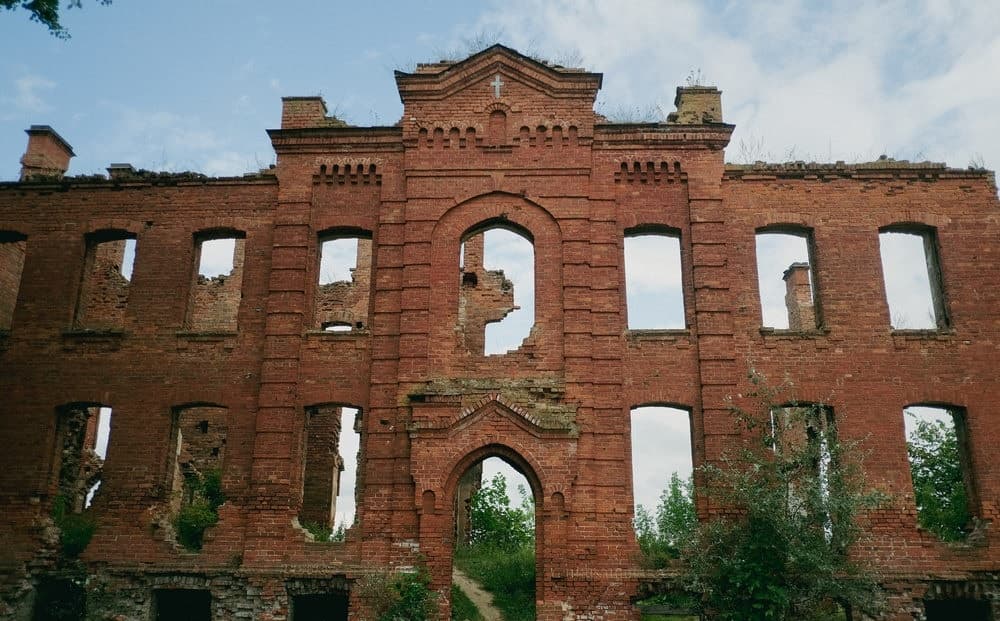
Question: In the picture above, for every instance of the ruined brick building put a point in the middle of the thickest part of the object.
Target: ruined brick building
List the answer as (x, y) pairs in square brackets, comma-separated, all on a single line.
[(246, 374)]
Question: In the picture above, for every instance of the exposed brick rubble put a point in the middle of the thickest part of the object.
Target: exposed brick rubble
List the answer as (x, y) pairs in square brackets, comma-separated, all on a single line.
[(236, 373)]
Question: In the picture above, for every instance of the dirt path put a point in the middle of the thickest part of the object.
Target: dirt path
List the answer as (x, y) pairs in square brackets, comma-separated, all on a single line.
[(481, 598)]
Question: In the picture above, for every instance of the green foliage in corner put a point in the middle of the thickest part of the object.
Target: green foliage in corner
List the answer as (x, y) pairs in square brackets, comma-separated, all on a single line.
[(942, 506), (794, 492), (205, 492), (46, 12), (399, 597), (661, 535), (75, 529)]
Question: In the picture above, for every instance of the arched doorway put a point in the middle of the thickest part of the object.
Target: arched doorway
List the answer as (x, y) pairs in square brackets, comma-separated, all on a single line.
[(496, 545)]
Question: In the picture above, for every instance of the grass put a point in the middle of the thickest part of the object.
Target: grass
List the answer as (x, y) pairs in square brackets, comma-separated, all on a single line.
[(462, 608), (509, 575)]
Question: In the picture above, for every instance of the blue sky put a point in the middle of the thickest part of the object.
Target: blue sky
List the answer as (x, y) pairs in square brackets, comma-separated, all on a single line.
[(186, 85)]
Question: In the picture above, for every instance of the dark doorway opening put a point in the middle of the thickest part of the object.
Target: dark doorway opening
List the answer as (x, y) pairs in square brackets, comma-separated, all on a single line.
[(182, 605), (319, 607), (952, 609), (59, 599)]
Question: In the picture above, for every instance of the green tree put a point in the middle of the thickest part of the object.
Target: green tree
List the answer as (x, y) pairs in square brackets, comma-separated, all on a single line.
[(792, 493), (942, 505), (661, 536), (46, 12), (495, 523)]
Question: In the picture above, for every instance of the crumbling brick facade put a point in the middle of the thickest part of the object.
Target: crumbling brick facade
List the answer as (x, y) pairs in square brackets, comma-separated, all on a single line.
[(495, 140)]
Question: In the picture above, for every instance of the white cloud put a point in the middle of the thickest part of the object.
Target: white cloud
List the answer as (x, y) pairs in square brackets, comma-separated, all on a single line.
[(165, 141), (27, 97), (813, 81)]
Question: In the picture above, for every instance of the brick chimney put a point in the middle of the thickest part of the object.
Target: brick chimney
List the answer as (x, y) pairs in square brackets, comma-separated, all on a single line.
[(47, 154), (696, 105), (300, 112), (798, 298)]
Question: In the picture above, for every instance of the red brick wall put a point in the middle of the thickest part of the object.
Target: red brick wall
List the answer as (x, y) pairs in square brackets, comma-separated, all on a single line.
[(104, 291), (558, 407), (11, 264)]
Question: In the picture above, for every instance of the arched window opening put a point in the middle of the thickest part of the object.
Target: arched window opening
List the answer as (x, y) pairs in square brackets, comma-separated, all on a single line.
[(937, 445), (786, 278), (12, 250), (200, 435), (345, 271), (654, 292), (331, 455), (662, 484), (217, 288), (912, 274), (496, 305), (82, 434), (494, 516), (106, 279)]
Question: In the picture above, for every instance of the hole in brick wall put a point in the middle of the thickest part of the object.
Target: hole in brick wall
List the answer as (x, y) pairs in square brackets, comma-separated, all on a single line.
[(182, 605), (662, 464), (319, 607), (332, 445), (337, 326), (100, 448), (82, 434), (59, 599), (654, 290), (494, 526), (912, 276), (12, 249), (217, 257), (496, 307), (105, 288), (937, 445), (345, 270), (953, 609), (198, 459), (786, 280), (217, 286)]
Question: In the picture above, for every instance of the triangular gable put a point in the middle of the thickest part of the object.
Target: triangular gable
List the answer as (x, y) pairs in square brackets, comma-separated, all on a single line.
[(440, 80)]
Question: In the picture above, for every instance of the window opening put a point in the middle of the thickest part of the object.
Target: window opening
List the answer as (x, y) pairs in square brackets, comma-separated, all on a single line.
[(786, 281), (937, 447), (330, 470), (200, 434), (320, 607), (804, 437), (217, 289), (82, 433), (951, 609), (12, 251), (182, 605), (654, 293), (103, 433), (496, 306), (662, 485), (912, 279), (495, 514), (107, 275), (342, 296), (59, 599)]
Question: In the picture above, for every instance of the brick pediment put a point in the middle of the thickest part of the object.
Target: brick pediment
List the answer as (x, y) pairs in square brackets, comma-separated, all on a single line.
[(442, 80)]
